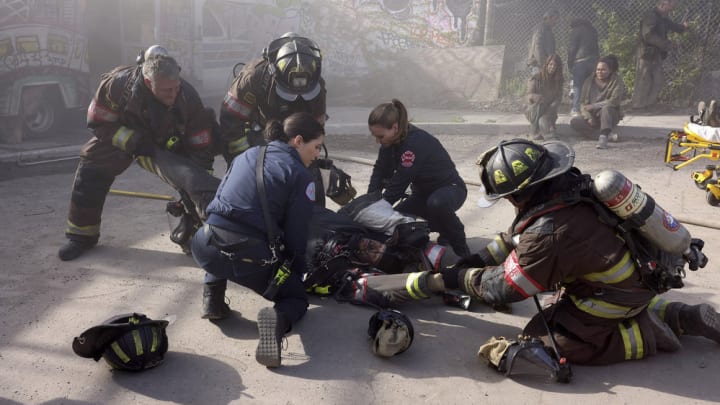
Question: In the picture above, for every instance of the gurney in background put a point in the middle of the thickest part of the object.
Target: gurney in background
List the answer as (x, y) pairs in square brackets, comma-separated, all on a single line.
[(697, 142)]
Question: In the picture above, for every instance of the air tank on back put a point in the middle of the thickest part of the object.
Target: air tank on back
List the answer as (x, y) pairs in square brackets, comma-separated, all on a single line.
[(629, 202)]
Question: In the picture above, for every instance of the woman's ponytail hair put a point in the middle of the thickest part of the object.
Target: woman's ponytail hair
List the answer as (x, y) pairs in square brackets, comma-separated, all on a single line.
[(302, 123), (388, 114)]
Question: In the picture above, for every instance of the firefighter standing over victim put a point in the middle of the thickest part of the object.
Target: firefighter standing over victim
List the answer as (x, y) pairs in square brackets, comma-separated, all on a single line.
[(234, 242), (409, 156), (286, 80), (149, 115), (606, 314)]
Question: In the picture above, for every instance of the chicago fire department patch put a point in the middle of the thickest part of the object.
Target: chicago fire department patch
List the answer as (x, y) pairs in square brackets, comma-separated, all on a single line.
[(407, 159)]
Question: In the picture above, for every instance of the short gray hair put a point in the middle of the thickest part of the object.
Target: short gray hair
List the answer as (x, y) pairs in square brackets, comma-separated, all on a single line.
[(160, 66)]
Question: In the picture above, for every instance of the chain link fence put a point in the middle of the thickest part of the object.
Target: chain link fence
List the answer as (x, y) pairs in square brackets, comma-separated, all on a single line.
[(692, 70)]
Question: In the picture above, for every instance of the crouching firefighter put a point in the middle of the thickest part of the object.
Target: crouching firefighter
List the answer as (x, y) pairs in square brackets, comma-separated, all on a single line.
[(150, 115), (563, 239)]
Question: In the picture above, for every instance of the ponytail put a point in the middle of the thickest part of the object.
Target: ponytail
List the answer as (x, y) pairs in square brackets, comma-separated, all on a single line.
[(388, 114)]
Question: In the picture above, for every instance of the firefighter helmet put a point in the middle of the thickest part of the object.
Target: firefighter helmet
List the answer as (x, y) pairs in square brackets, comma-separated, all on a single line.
[(151, 51), (296, 65), (127, 342), (514, 165), (391, 332)]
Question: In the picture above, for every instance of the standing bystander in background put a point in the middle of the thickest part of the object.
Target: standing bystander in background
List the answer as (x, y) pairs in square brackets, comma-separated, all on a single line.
[(653, 48)]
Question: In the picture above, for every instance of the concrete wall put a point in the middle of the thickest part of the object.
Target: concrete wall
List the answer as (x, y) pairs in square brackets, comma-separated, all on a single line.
[(373, 50)]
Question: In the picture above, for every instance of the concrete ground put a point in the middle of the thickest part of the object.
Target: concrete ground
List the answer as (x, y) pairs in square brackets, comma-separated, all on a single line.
[(44, 302)]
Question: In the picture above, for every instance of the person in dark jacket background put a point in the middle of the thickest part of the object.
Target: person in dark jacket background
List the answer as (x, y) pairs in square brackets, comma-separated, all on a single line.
[(583, 53), (234, 243), (653, 48), (411, 157)]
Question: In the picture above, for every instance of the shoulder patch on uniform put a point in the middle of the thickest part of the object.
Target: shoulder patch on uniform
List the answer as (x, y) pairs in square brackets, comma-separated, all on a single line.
[(310, 191), (407, 159)]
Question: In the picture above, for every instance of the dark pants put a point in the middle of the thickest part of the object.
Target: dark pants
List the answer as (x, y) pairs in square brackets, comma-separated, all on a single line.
[(605, 118), (649, 80), (439, 210), (291, 299), (100, 163), (580, 72)]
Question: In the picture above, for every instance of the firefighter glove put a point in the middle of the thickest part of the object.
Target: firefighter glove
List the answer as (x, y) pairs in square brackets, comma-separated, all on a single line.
[(144, 146)]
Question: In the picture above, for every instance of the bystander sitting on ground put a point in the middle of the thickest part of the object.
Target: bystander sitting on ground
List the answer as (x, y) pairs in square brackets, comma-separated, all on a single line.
[(544, 95), (600, 102)]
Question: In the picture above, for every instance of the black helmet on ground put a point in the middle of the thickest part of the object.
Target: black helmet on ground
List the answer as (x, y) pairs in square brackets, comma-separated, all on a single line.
[(127, 342)]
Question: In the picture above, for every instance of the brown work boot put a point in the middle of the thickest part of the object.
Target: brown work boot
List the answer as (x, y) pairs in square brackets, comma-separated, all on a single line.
[(700, 320), (272, 326)]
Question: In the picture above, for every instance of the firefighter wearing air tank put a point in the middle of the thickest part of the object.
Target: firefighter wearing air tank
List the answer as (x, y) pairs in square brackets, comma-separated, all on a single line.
[(284, 81), (559, 241)]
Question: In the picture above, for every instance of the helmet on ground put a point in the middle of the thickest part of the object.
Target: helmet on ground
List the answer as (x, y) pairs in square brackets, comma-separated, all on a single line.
[(517, 164), (126, 342), (151, 51), (296, 64), (391, 332)]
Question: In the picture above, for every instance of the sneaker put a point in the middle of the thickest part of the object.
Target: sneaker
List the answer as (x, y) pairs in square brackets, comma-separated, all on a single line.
[(602, 142), (614, 137), (272, 327), (75, 248), (575, 113)]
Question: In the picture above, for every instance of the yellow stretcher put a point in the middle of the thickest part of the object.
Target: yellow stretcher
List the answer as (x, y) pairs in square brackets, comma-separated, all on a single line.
[(688, 146)]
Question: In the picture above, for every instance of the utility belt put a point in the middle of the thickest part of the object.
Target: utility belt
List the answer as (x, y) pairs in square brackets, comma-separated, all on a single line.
[(241, 247), (238, 246)]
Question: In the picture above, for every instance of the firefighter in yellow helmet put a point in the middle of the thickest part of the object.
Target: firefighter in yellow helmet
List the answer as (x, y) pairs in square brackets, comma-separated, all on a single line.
[(606, 313)]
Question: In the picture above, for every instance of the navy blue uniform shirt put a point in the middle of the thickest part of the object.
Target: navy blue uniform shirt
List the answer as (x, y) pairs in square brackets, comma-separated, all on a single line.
[(290, 192), (419, 161)]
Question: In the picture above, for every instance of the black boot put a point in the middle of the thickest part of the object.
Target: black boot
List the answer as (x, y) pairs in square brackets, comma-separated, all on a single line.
[(75, 247), (700, 320), (272, 326), (214, 306)]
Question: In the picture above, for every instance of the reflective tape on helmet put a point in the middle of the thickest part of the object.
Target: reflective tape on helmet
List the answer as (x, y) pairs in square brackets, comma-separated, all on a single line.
[(632, 339), (121, 137), (119, 352), (138, 342), (237, 107), (414, 285), (518, 279), (617, 273), (603, 309)]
